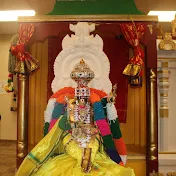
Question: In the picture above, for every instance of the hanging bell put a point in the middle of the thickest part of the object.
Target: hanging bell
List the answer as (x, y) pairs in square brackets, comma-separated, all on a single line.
[(31, 64), (132, 70), (28, 65), (34, 64), (21, 67), (127, 70), (135, 70)]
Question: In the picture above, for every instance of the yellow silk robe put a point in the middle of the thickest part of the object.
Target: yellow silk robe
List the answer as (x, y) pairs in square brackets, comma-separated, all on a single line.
[(49, 158)]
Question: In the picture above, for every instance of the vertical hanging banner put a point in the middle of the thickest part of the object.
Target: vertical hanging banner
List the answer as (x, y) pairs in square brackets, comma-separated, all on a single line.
[(25, 63), (133, 34)]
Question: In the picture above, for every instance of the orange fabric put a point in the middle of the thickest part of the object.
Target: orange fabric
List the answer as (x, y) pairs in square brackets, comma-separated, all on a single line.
[(120, 146), (61, 98), (94, 98), (63, 91), (71, 90), (98, 92)]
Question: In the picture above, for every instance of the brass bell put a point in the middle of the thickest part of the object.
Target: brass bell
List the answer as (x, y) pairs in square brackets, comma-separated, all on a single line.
[(132, 70), (127, 70), (20, 67), (31, 64)]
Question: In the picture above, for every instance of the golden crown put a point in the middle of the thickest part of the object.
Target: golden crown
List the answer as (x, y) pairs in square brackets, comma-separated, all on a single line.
[(82, 72)]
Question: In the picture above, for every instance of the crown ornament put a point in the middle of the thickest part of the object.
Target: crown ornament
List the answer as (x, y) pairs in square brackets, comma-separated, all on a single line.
[(82, 74)]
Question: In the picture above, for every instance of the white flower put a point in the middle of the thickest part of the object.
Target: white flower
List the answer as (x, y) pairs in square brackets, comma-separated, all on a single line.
[(49, 110)]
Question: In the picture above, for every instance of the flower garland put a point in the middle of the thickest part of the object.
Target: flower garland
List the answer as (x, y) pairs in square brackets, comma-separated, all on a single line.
[(71, 90), (9, 87), (111, 134), (62, 91), (104, 128)]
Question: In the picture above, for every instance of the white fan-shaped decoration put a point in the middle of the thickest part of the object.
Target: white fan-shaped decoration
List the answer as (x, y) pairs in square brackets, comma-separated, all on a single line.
[(82, 45)]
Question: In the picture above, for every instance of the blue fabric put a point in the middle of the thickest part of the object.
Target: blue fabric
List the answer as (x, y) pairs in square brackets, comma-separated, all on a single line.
[(98, 111), (113, 154), (58, 110)]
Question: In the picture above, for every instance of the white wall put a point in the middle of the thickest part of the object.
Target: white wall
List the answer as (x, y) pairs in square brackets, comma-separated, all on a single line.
[(172, 107), (167, 125), (167, 139), (8, 122)]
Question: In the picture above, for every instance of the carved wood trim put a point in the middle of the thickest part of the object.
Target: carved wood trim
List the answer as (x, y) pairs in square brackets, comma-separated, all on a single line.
[(52, 18)]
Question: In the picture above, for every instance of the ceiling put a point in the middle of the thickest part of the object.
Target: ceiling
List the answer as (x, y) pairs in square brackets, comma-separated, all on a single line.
[(8, 27), (47, 5), (41, 8), (155, 5)]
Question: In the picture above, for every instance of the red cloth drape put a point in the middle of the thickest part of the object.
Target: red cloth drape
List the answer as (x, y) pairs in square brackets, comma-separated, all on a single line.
[(133, 34), (25, 62), (25, 33)]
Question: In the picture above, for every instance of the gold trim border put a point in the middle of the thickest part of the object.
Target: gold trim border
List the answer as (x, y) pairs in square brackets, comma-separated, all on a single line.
[(163, 71), (164, 113), (52, 18), (167, 153), (163, 43), (161, 59)]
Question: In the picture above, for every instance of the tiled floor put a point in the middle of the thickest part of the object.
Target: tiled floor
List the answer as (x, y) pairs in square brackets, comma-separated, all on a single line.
[(7, 158)]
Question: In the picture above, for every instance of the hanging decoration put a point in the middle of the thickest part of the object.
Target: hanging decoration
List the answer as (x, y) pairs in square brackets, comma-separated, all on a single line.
[(11, 65), (25, 63), (14, 102), (133, 34), (9, 87), (12, 58)]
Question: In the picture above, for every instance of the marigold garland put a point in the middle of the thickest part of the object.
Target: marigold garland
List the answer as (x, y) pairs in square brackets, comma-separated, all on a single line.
[(71, 90), (61, 98), (94, 98), (101, 93), (99, 117), (65, 90)]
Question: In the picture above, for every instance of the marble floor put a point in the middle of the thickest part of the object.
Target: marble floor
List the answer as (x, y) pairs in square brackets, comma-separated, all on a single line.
[(7, 158)]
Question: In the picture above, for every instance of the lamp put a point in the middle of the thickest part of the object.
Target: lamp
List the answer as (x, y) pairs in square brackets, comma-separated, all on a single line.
[(163, 16), (12, 15)]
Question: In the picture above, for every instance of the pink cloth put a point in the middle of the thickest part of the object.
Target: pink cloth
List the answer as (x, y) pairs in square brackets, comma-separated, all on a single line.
[(103, 127), (52, 123)]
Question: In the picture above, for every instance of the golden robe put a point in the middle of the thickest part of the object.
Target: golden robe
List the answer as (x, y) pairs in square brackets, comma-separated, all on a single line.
[(50, 158)]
